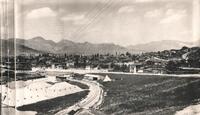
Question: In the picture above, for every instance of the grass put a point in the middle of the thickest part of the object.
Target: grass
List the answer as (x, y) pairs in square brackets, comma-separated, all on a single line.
[(81, 85), (52, 106), (130, 94)]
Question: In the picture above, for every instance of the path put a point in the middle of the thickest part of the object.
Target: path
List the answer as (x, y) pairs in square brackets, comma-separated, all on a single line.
[(93, 99)]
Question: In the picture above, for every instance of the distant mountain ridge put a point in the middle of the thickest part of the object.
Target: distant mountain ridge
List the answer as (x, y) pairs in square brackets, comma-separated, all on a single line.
[(160, 45), (40, 45)]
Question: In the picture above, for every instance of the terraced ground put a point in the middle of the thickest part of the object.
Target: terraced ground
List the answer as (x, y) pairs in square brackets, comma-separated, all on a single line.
[(145, 95), (52, 106)]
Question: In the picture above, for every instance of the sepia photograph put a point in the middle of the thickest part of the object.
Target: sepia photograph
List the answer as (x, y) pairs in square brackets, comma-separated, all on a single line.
[(100, 57)]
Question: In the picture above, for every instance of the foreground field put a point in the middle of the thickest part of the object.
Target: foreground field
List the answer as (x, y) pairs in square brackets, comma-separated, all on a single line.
[(52, 106), (145, 95)]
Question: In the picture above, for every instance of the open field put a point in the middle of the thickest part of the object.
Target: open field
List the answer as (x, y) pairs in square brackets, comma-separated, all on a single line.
[(52, 106), (81, 85), (145, 95)]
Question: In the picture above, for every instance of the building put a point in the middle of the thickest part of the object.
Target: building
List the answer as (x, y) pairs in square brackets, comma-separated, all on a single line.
[(133, 66), (64, 77), (93, 77)]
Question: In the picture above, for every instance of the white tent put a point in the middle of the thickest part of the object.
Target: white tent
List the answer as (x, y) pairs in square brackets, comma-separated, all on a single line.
[(106, 79)]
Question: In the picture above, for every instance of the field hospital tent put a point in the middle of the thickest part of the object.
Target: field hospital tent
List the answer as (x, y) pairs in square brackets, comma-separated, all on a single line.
[(106, 79)]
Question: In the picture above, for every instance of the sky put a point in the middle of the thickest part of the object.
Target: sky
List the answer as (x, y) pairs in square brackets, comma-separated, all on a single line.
[(122, 22)]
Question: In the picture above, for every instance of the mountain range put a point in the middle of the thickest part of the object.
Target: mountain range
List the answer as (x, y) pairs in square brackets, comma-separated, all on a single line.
[(155, 46), (40, 45)]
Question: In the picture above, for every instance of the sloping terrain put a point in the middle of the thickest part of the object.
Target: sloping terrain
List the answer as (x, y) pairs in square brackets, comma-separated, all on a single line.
[(147, 95)]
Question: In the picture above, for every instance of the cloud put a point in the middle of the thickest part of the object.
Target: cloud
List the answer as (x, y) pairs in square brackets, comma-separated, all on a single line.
[(73, 17), (81, 22), (126, 9), (173, 16), (54, 2), (144, 1), (40, 13), (153, 13), (77, 19)]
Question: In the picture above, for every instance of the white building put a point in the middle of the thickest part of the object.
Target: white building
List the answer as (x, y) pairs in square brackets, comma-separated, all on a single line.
[(93, 77)]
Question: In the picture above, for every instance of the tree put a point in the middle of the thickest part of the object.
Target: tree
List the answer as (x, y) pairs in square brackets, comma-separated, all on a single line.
[(128, 54), (76, 58), (172, 66)]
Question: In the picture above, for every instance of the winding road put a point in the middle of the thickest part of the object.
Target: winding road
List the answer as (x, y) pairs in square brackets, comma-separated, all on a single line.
[(92, 100)]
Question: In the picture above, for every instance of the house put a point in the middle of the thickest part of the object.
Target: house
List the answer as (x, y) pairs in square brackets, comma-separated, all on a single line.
[(87, 68), (69, 64), (134, 67)]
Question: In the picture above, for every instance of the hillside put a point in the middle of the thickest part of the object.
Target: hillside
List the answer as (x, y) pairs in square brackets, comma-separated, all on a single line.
[(89, 48), (40, 44), (20, 48)]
